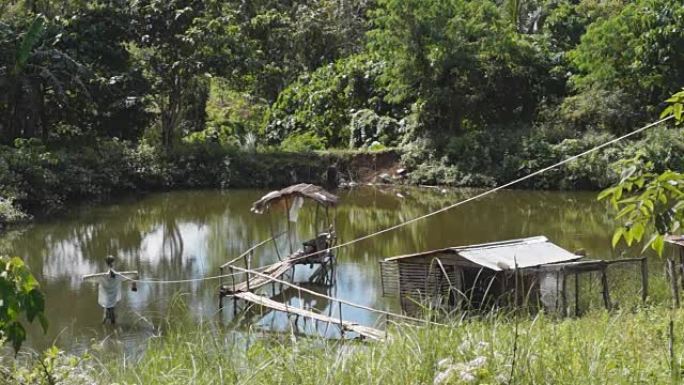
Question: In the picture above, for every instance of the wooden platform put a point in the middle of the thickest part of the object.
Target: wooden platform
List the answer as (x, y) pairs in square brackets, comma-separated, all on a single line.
[(256, 281), (363, 331), (246, 291), (275, 271)]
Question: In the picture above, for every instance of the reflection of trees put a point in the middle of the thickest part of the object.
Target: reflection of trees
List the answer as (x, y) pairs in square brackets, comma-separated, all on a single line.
[(573, 220)]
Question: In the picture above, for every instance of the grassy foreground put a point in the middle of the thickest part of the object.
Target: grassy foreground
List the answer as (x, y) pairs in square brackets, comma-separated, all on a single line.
[(599, 348)]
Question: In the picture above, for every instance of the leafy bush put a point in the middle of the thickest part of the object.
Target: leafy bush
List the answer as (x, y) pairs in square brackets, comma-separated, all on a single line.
[(323, 102), (367, 127), (596, 109), (34, 177), (20, 297), (231, 116), (637, 50), (427, 168), (307, 141), (491, 151), (52, 367), (9, 213), (662, 146), (589, 172), (482, 158)]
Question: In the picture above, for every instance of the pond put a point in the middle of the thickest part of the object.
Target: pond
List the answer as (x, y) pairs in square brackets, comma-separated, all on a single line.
[(189, 234)]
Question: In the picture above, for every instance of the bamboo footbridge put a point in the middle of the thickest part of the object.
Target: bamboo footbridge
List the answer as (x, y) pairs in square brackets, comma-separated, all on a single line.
[(363, 331), (315, 252), (275, 274)]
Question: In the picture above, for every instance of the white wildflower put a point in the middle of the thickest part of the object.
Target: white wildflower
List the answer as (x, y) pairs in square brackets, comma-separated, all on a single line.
[(477, 362), (444, 363), (443, 377), (467, 376)]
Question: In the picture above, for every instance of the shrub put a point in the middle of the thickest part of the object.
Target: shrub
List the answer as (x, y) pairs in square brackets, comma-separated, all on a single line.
[(323, 101), (9, 213), (307, 141), (589, 172), (599, 110), (367, 127), (52, 367), (20, 297)]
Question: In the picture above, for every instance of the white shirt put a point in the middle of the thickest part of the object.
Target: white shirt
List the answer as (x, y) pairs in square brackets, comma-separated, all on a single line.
[(109, 291)]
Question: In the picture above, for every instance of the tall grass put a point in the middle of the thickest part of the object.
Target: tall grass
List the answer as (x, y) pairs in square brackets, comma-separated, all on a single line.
[(622, 347)]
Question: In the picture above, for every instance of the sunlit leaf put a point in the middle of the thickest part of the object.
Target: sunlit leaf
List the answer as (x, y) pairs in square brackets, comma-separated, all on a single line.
[(617, 235), (658, 244)]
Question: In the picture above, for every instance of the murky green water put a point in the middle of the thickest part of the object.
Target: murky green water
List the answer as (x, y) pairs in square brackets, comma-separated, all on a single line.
[(189, 234)]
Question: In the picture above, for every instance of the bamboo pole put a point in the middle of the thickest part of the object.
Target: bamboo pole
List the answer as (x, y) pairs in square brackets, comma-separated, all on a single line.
[(316, 231), (681, 265), (252, 249), (606, 292), (673, 281), (274, 238), (577, 310), (220, 288), (128, 274), (248, 265), (644, 279), (564, 293), (287, 219)]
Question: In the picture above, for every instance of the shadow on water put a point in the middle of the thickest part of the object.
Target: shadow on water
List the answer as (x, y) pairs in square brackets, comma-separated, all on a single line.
[(189, 234)]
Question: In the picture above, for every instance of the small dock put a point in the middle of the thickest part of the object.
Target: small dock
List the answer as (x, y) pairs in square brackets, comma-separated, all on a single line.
[(313, 252), (363, 331), (245, 291), (277, 271)]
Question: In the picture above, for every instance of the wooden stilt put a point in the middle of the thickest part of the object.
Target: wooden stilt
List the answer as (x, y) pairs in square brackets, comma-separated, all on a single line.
[(220, 286), (341, 322), (644, 279), (606, 292), (247, 274), (316, 230), (681, 266), (673, 281), (577, 296), (275, 239), (287, 219), (564, 293)]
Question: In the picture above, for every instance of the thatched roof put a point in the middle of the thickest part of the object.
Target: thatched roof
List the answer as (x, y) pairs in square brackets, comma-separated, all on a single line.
[(303, 190)]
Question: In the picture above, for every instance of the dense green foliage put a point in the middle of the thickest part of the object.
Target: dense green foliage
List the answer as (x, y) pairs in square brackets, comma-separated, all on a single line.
[(636, 54), (21, 301), (649, 204), (43, 179), (50, 368), (474, 93)]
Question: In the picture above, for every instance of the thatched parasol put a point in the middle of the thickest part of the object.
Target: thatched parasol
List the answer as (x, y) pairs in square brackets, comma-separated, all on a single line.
[(304, 190)]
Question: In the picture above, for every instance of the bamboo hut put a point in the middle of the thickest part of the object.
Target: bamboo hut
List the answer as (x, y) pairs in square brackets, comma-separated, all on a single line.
[(531, 272)]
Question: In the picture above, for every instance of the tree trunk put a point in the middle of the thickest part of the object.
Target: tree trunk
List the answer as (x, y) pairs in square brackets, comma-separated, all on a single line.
[(171, 111), (43, 116)]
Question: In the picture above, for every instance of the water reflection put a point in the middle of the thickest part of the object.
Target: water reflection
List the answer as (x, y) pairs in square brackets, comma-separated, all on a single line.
[(189, 234)]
